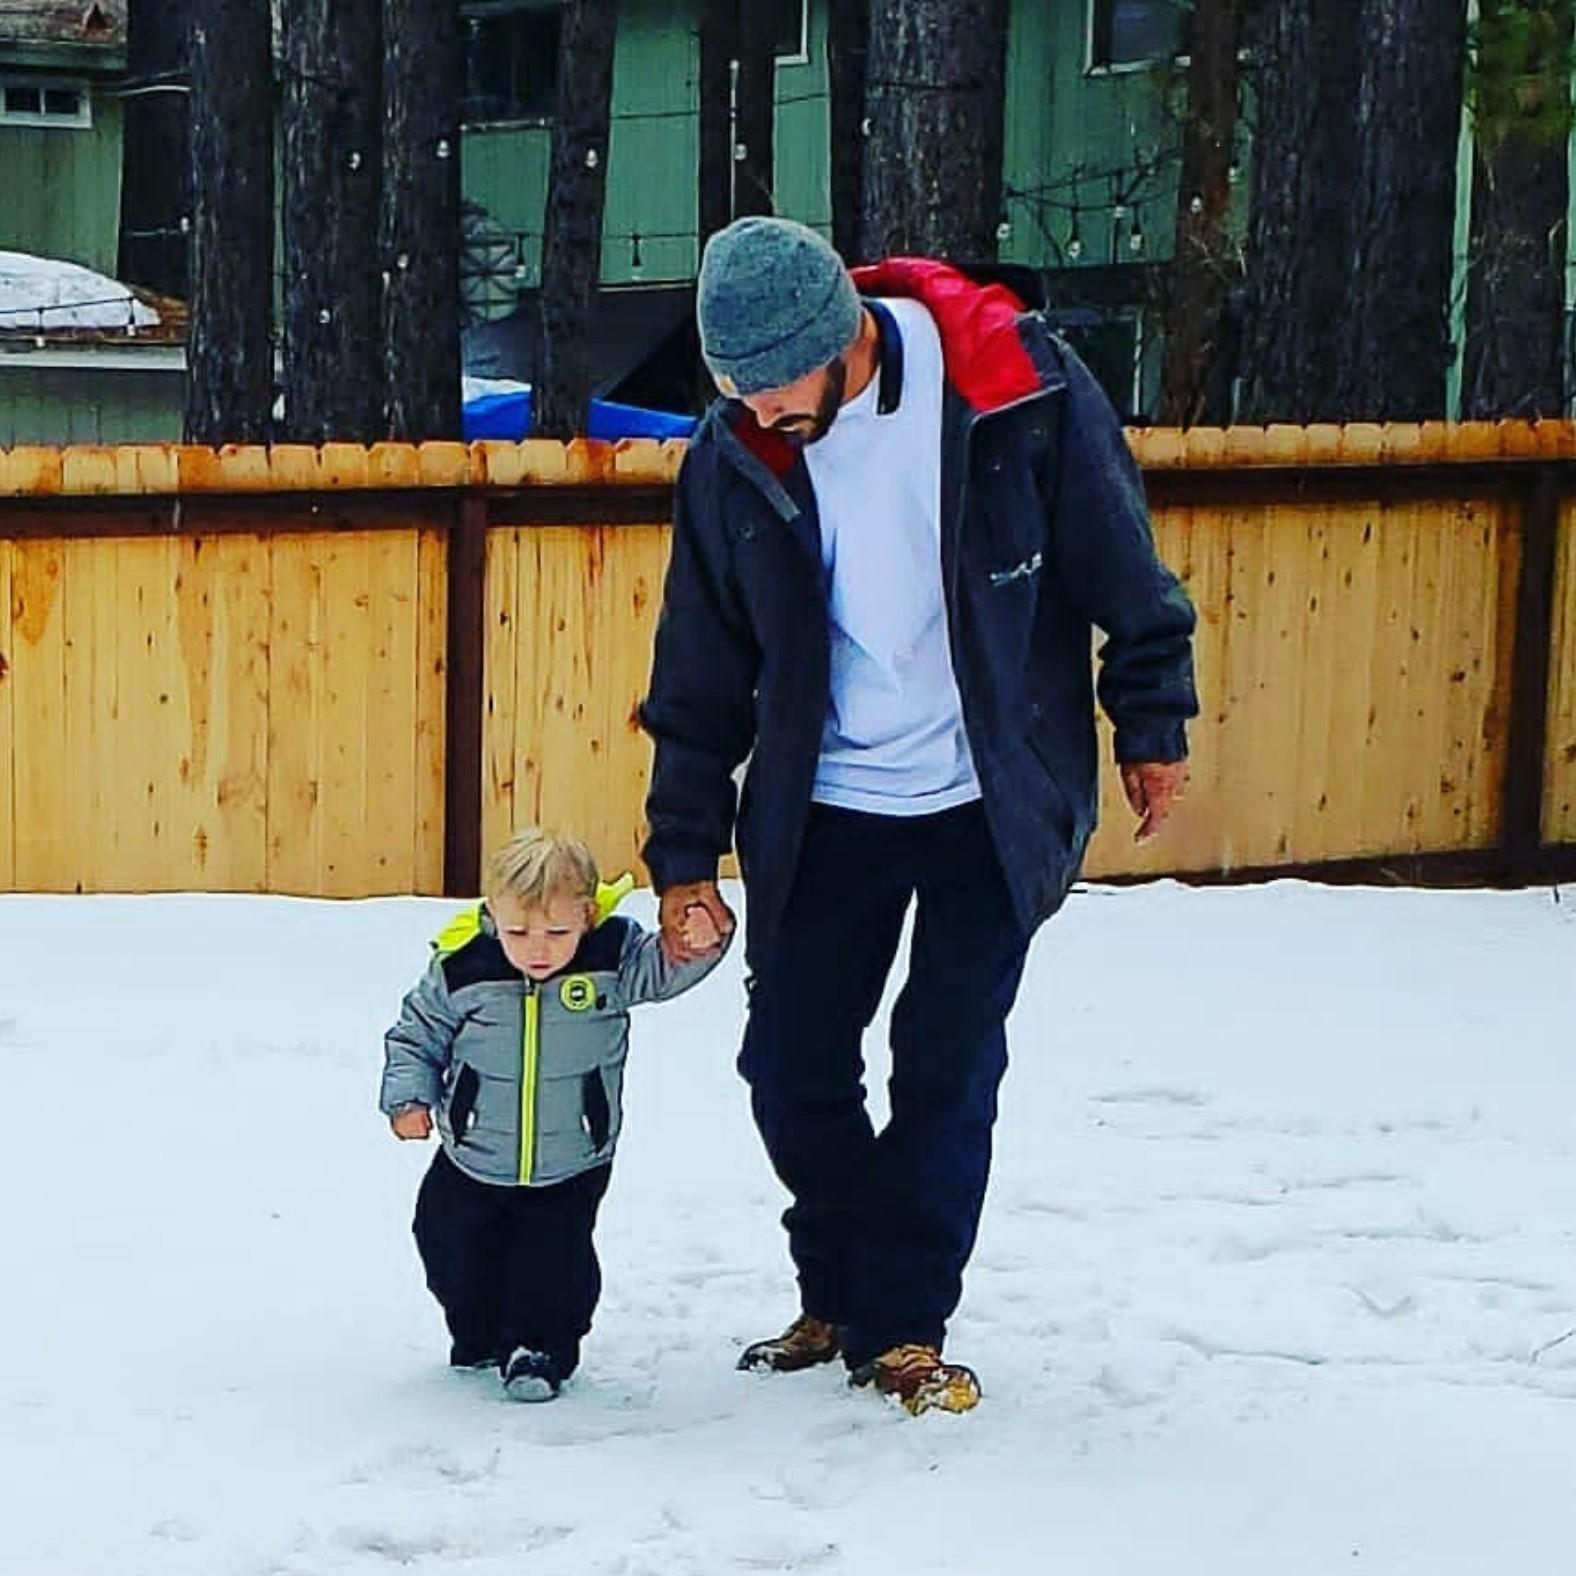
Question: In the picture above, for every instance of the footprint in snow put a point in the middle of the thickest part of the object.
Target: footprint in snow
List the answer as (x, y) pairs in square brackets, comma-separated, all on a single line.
[(1158, 1095)]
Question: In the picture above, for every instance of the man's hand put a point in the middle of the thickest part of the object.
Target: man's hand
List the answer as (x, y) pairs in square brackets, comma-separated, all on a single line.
[(684, 931), (1153, 788), (700, 930), (415, 1121)]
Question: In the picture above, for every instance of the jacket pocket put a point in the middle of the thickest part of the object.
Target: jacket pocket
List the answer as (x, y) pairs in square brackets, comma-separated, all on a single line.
[(598, 1113), (462, 1102), (1061, 807)]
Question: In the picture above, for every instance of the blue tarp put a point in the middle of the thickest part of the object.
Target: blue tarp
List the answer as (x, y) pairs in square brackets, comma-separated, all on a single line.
[(509, 416)]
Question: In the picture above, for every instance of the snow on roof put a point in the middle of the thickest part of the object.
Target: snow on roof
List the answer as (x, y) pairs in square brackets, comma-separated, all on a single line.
[(42, 295), (63, 22)]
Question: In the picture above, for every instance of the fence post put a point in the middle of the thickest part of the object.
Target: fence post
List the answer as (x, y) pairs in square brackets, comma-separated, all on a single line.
[(1521, 837), (464, 698)]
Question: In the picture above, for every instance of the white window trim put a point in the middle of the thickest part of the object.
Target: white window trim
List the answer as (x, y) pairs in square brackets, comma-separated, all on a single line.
[(801, 57), (81, 121)]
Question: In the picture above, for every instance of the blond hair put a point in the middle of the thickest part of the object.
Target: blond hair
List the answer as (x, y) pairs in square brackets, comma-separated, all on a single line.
[(536, 866)]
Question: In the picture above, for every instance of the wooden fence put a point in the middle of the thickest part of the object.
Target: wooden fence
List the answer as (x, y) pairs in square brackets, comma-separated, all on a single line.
[(347, 671)]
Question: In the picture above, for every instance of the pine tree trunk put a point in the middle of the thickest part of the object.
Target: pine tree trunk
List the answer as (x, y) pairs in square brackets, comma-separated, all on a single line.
[(1394, 330), (332, 113), (1299, 226), (419, 227), (1205, 265), (1515, 324), (756, 113), (935, 92), (572, 243), (156, 163), (230, 383), (719, 47), (847, 50)]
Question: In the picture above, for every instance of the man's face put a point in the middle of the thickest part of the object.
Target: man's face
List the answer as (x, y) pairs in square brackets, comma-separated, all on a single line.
[(802, 411), (539, 939)]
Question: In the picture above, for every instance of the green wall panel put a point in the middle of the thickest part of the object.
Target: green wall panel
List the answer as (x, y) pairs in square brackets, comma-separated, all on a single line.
[(1061, 116), (60, 188), (801, 160), (89, 405), (651, 164), (651, 161), (505, 170)]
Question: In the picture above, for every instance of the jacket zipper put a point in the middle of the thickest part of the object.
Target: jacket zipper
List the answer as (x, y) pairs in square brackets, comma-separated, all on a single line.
[(529, 1057)]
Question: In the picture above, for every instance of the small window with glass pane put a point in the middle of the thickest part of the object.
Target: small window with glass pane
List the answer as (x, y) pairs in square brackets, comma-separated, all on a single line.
[(511, 61), (1126, 33), (44, 102)]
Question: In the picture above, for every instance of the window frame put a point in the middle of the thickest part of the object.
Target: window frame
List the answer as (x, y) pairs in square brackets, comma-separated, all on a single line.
[(1095, 67), (801, 55), (42, 119)]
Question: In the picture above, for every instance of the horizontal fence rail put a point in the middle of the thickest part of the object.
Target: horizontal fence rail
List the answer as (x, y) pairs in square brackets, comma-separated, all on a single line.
[(347, 671)]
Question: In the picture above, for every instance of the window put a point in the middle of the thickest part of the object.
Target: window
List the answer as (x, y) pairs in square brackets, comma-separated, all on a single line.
[(790, 40), (1110, 343), (40, 102), (1125, 33), (511, 62)]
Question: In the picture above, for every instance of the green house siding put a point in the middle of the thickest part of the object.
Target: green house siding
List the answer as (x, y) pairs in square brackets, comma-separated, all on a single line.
[(801, 151), (651, 162), (504, 169), (1091, 151), (652, 158), (60, 187), (88, 404), (1062, 118)]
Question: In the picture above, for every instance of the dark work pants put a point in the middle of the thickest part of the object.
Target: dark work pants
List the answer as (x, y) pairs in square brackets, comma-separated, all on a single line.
[(511, 1266), (882, 1225)]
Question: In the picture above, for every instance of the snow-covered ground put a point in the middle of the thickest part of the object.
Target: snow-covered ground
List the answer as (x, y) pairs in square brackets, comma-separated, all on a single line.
[(1278, 1273), (46, 295)]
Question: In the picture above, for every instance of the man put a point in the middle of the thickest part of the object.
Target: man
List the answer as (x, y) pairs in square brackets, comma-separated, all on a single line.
[(891, 540)]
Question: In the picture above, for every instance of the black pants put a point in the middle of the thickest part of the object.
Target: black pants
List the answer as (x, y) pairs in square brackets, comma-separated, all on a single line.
[(882, 1225), (511, 1266)]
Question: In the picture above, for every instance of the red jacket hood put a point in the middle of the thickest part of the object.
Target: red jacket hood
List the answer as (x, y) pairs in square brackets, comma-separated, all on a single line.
[(986, 361), (984, 354)]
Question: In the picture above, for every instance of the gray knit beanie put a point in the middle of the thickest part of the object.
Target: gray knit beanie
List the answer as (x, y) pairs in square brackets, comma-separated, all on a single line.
[(773, 304)]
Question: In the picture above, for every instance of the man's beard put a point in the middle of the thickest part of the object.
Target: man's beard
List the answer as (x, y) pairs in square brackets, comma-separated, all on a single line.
[(811, 428)]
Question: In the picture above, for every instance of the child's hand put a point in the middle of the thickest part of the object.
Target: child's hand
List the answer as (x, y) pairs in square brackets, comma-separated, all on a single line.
[(415, 1121), (700, 930), (678, 906)]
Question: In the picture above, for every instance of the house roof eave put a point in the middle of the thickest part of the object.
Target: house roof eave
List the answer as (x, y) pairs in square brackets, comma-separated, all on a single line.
[(96, 60)]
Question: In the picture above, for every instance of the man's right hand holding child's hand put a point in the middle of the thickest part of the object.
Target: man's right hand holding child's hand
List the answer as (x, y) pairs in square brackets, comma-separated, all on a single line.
[(695, 921), (414, 1121), (700, 930)]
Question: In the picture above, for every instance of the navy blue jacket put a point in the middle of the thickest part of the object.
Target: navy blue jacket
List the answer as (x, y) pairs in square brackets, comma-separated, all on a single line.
[(1044, 534)]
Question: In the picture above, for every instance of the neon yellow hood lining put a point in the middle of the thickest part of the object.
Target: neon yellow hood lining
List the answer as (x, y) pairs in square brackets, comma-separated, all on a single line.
[(467, 924)]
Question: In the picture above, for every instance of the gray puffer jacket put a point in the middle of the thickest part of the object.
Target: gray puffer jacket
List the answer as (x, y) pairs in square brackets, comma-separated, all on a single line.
[(526, 1078)]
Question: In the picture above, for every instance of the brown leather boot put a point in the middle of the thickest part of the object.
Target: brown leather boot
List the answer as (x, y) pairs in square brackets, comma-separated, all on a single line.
[(916, 1376), (806, 1342)]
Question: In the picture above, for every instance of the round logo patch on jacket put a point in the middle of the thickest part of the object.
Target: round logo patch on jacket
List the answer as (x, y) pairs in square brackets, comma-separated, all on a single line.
[(578, 992)]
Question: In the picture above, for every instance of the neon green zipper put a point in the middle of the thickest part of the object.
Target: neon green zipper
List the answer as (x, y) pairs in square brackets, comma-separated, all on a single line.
[(528, 1060)]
